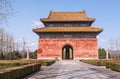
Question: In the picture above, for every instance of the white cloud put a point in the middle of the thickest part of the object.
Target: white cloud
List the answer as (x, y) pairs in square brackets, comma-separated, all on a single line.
[(37, 23), (100, 39), (102, 42), (18, 40), (29, 44)]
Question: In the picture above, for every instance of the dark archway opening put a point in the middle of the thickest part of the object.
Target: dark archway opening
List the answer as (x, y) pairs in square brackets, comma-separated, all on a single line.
[(67, 52)]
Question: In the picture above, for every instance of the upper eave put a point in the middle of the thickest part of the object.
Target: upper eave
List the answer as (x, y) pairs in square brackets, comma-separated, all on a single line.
[(68, 29), (67, 17), (84, 20)]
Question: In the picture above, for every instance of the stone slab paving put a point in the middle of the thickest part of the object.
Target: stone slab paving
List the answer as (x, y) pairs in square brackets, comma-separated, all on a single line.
[(73, 69)]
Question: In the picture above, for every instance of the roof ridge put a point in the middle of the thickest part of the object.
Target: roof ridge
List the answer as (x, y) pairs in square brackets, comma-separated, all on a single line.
[(68, 11)]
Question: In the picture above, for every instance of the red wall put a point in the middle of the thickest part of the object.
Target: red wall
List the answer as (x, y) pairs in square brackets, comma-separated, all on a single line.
[(82, 47)]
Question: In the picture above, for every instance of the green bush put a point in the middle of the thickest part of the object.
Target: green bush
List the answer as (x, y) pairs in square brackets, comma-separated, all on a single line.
[(42, 62), (16, 69), (19, 72), (108, 64), (16, 63), (11, 64), (95, 62), (113, 66), (47, 63)]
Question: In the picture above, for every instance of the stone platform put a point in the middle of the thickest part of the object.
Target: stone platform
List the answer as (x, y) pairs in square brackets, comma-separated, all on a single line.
[(73, 69)]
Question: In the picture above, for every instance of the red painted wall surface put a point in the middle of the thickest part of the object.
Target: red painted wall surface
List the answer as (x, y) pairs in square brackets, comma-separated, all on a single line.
[(82, 47)]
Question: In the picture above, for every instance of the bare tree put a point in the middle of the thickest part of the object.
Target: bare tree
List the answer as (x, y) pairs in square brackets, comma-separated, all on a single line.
[(5, 9), (16, 45), (7, 42), (114, 44), (1, 42), (11, 43), (23, 45), (111, 44)]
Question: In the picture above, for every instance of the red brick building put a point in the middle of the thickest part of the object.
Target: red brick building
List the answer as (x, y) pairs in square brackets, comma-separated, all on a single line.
[(67, 35)]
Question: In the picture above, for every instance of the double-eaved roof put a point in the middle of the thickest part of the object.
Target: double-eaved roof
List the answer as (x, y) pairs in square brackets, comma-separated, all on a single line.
[(67, 16)]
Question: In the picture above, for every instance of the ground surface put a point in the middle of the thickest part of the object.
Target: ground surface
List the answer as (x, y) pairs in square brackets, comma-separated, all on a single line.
[(72, 69)]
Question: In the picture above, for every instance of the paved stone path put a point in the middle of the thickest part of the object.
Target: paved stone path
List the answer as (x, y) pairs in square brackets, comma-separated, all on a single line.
[(71, 69)]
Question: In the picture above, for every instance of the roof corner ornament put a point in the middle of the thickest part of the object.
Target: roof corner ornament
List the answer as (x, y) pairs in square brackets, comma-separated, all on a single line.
[(50, 11), (84, 10)]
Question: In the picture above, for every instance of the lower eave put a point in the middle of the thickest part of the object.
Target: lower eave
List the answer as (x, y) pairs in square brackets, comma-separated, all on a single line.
[(69, 21), (67, 29)]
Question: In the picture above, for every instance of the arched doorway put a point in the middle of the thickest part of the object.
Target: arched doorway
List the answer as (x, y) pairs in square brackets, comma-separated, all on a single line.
[(67, 52)]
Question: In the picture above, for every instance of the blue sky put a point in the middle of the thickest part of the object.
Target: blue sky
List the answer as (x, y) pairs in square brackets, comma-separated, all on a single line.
[(27, 15)]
